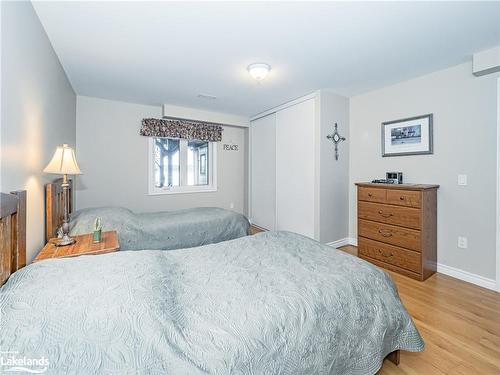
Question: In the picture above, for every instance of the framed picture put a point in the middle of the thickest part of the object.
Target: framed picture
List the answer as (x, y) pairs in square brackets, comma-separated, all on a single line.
[(409, 136)]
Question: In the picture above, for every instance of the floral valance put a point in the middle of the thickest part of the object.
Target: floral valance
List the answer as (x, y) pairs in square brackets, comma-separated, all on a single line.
[(179, 128)]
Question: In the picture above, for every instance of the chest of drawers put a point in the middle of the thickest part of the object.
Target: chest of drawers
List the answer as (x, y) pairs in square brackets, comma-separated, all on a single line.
[(397, 227)]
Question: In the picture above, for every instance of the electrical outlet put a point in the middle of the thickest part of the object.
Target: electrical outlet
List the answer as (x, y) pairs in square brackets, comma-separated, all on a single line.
[(462, 242), (462, 179)]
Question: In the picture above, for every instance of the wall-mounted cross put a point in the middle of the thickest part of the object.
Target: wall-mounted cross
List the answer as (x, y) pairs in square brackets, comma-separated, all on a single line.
[(336, 138)]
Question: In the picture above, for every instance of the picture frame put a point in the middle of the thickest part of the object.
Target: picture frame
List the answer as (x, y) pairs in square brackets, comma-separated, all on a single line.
[(409, 136)]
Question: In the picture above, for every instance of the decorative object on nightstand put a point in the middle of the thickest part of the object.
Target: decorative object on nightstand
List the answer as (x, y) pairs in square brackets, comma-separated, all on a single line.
[(84, 245), (64, 162), (96, 237)]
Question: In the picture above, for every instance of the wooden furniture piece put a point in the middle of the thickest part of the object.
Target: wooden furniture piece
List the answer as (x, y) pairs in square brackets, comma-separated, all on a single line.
[(397, 227), (54, 206), (12, 233), (82, 246)]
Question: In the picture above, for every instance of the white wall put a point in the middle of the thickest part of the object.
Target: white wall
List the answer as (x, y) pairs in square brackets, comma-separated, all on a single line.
[(464, 109), (334, 174), (114, 160), (38, 112), (177, 111)]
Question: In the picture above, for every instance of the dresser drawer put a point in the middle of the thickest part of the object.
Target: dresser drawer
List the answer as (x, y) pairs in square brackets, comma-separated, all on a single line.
[(402, 216), (406, 198), (371, 194), (396, 256), (399, 236), (391, 267)]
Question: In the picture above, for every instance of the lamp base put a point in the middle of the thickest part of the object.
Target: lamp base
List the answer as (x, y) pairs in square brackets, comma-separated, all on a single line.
[(65, 241)]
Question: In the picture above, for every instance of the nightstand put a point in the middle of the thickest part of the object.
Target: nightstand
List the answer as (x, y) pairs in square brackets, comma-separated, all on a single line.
[(83, 246)]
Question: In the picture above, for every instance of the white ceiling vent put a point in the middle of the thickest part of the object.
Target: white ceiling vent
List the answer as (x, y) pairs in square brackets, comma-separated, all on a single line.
[(206, 96)]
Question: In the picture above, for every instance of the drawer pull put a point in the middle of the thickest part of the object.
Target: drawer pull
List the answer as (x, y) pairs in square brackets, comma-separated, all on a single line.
[(402, 198), (370, 195), (385, 233), (385, 215), (385, 255)]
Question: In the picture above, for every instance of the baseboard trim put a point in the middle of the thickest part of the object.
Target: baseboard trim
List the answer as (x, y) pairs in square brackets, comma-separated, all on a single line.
[(339, 243), (441, 268), (343, 242), (467, 276)]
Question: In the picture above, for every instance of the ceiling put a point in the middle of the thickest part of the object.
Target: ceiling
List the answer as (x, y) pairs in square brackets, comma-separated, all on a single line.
[(161, 52)]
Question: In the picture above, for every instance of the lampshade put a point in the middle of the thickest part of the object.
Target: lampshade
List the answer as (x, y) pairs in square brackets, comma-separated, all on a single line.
[(63, 162)]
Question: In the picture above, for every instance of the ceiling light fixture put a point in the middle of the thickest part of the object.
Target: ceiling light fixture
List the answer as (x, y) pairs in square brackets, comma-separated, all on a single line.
[(259, 71)]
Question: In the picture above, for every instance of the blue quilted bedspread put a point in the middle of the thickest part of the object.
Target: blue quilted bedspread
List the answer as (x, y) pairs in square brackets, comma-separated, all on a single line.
[(163, 230), (274, 303)]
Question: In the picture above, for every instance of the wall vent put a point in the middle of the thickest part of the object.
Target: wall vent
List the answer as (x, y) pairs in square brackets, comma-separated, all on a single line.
[(206, 96)]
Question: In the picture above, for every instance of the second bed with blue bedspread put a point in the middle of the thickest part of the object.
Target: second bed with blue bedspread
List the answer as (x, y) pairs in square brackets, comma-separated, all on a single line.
[(166, 230)]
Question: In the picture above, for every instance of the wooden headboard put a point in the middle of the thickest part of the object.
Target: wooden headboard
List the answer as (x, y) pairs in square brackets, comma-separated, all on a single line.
[(54, 207), (12, 233)]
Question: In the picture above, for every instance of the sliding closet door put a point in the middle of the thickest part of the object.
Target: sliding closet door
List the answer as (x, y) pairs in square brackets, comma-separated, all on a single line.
[(295, 168), (263, 172)]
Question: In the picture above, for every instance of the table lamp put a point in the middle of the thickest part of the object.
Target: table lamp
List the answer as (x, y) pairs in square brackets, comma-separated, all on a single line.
[(64, 162)]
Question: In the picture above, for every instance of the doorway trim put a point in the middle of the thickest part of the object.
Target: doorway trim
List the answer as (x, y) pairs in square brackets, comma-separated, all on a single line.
[(497, 274)]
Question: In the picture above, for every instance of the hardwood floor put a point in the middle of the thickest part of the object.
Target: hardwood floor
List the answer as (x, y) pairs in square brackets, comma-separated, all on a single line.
[(254, 229), (459, 322)]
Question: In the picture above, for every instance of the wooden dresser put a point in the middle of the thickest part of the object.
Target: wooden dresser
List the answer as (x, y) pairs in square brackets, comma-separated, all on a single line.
[(397, 227)]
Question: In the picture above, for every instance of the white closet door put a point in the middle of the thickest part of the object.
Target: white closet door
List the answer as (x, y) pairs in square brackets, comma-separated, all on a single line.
[(263, 172), (295, 168)]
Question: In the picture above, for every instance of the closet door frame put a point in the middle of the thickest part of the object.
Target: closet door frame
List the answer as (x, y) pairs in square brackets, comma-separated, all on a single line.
[(296, 168), (315, 96), (273, 222)]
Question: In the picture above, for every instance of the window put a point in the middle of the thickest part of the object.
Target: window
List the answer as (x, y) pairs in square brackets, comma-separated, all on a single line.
[(181, 166)]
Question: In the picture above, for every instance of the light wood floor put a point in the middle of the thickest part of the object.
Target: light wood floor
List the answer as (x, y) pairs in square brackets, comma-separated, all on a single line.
[(254, 229), (460, 324)]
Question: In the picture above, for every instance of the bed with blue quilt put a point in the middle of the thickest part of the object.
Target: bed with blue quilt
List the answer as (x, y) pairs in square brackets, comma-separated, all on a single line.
[(273, 303), (165, 230)]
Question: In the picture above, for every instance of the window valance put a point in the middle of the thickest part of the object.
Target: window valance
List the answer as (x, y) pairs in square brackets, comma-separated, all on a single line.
[(180, 128)]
